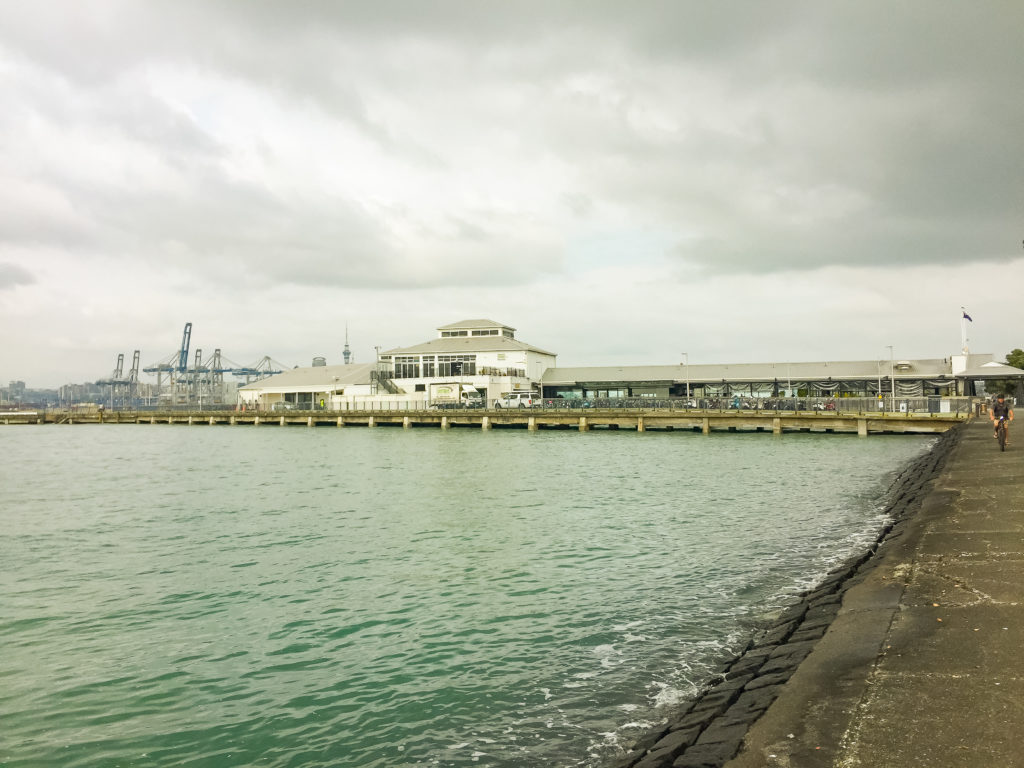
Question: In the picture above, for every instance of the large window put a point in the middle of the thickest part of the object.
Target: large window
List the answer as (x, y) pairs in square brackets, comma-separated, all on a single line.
[(407, 367), (603, 393), (456, 365)]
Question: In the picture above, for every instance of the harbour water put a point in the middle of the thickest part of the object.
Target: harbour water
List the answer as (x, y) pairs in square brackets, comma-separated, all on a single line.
[(292, 597)]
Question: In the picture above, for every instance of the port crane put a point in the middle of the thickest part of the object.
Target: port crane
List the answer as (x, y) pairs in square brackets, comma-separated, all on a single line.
[(120, 387), (202, 382)]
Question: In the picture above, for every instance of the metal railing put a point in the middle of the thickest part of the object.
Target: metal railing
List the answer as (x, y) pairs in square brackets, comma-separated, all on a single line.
[(860, 405), (954, 406)]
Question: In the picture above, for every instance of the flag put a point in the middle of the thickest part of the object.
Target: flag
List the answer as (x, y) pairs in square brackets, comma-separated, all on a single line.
[(967, 317)]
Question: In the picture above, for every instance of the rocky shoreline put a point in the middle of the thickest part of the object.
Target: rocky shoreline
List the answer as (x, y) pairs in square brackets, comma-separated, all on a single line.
[(709, 730)]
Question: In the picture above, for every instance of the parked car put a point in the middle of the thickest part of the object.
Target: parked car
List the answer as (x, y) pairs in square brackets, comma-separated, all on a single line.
[(518, 400)]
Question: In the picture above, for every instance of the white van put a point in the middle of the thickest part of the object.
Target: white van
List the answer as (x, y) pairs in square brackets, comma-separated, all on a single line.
[(518, 400)]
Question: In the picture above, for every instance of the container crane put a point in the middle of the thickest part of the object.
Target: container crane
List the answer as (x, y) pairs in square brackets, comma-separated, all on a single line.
[(200, 383), (176, 363), (186, 339), (116, 381), (133, 374), (260, 370)]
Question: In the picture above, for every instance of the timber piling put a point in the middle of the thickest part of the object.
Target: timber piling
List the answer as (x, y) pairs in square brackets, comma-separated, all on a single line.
[(534, 419)]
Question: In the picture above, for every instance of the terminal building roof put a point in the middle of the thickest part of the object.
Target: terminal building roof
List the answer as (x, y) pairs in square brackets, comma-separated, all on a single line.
[(470, 336), (477, 324), (455, 345)]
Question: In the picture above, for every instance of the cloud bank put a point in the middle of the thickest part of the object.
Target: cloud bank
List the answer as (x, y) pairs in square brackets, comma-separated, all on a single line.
[(274, 171)]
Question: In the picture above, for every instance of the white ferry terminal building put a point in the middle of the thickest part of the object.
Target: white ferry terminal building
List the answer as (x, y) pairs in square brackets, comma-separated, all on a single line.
[(484, 358)]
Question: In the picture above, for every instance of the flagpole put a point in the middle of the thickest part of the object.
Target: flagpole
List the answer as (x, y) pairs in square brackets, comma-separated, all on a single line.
[(963, 331)]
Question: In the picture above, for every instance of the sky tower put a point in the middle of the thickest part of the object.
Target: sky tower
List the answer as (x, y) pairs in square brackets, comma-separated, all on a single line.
[(347, 353)]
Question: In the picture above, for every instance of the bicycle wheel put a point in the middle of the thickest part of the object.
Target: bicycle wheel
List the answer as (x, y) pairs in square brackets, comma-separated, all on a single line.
[(1002, 437)]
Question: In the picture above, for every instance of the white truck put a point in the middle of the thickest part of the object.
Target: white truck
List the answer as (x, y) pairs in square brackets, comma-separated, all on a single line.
[(455, 395)]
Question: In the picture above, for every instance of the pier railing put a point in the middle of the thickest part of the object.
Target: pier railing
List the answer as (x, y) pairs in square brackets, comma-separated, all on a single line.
[(858, 405), (954, 406)]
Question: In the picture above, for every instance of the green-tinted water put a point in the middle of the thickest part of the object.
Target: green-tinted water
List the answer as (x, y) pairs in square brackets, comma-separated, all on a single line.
[(217, 596)]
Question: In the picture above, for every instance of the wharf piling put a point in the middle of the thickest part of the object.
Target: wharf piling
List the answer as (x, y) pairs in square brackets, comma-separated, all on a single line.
[(534, 419)]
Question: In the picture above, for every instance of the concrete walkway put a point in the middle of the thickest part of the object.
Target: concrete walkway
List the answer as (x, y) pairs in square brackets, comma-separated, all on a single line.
[(924, 663)]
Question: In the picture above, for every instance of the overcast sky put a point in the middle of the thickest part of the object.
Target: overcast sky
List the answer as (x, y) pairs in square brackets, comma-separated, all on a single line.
[(621, 182)]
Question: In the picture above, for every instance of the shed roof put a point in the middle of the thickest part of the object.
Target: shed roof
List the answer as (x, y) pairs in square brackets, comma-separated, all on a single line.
[(329, 376), (992, 370), (752, 372)]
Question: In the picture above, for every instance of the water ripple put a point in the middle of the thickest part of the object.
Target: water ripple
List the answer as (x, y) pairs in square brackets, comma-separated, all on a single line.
[(405, 598)]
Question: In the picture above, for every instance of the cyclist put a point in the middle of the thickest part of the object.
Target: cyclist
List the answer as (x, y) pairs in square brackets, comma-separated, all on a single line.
[(1001, 408)]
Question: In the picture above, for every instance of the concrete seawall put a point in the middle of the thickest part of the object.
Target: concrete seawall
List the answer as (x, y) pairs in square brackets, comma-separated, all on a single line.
[(906, 655)]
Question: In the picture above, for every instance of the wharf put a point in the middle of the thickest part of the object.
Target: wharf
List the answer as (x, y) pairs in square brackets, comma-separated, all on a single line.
[(641, 420)]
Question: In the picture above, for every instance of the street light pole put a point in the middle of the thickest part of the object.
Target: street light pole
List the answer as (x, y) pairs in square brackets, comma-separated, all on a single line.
[(686, 366), (892, 379), (376, 371)]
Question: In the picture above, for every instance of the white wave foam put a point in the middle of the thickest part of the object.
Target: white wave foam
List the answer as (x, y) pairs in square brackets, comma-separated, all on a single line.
[(666, 694), (628, 625), (607, 655)]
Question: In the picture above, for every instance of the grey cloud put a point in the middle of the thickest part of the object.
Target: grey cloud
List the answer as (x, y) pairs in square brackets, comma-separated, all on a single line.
[(932, 179), (806, 134), (231, 231), (12, 275)]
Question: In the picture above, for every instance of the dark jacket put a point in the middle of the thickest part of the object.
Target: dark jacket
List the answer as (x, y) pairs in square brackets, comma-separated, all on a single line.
[(1000, 409)]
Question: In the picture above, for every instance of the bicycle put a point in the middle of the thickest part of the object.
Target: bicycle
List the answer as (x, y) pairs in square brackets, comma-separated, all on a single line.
[(1001, 432)]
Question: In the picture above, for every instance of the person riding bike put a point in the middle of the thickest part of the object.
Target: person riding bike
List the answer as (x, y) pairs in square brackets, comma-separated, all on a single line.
[(1001, 408)]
